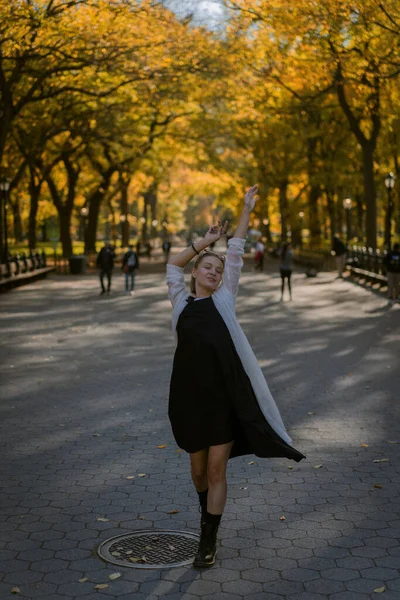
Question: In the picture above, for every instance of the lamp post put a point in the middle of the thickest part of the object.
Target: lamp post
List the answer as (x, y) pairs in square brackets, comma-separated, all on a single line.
[(84, 214), (389, 183), (347, 203), (4, 187)]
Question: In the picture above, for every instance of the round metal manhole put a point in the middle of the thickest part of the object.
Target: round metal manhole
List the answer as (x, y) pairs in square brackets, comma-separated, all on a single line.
[(150, 549)]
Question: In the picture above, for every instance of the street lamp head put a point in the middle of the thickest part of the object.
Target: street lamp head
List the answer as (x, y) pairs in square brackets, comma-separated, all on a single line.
[(122, 218), (301, 214), (390, 181), (347, 203), (154, 222), (84, 211), (265, 222), (4, 185)]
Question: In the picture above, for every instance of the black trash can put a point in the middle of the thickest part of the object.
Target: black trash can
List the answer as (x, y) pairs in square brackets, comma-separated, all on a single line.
[(77, 264)]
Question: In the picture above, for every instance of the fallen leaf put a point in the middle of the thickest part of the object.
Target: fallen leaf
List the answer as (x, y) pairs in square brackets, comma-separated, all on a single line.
[(379, 460), (130, 477), (102, 519), (379, 590), (140, 518), (317, 466), (142, 474), (162, 446), (114, 576), (179, 450), (290, 467), (134, 559), (15, 590), (389, 442), (243, 488), (282, 518), (96, 435), (118, 553), (82, 580), (378, 486), (101, 586), (311, 413), (144, 559), (251, 462), (128, 552), (148, 548), (364, 446), (172, 548), (173, 512)]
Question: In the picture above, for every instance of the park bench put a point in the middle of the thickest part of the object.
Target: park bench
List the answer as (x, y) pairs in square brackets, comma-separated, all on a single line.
[(22, 270)]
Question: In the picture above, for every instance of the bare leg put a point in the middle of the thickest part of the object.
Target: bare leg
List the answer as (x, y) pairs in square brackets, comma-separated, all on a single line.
[(290, 285), (216, 470), (282, 287), (198, 466)]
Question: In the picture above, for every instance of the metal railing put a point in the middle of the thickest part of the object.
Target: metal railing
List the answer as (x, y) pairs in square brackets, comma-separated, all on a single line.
[(366, 259)]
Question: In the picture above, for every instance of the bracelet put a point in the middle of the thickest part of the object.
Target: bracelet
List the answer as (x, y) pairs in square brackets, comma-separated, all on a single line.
[(194, 249)]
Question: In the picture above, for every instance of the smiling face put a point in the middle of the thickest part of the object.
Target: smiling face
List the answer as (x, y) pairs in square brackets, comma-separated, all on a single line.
[(208, 274)]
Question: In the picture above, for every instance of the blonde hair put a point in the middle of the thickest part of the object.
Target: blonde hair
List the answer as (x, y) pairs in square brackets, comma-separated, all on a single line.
[(197, 262)]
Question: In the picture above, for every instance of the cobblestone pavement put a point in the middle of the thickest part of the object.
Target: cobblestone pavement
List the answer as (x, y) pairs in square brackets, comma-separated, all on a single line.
[(84, 407)]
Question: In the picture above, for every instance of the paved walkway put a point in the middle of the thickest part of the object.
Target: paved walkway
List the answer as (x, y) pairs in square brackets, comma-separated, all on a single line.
[(83, 407)]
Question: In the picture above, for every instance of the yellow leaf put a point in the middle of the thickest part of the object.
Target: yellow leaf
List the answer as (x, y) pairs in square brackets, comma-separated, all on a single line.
[(179, 450), (290, 467), (140, 518), (317, 466), (101, 586), (83, 580), (379, 590), (134, 559), (130, 477), (311, 413), (251, 462), (15, 590), (364, 446), (282, 518), (142, 474), (162, 446), (389, 442), (378, 486), (114, 576), (379, 460), (173, 512), (102, 519)]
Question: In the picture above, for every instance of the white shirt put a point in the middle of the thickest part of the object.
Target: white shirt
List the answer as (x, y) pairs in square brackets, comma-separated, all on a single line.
[(224, 299)]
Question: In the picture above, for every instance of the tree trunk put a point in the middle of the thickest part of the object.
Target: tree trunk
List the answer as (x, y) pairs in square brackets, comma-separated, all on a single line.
[(17, 221), (124, 211), (331, 212), (34, 192), (93, 218), (370, 194), (283, 208), (65, 232)]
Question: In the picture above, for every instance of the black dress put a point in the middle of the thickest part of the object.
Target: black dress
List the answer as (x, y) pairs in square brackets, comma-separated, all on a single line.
[(211, 399)]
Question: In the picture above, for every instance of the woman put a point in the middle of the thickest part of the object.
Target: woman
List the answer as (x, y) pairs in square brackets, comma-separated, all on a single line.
[(286, 268), (219, 405)]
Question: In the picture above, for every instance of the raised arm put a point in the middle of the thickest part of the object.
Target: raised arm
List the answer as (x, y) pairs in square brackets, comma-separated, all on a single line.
[(186, 255), (249, 202)]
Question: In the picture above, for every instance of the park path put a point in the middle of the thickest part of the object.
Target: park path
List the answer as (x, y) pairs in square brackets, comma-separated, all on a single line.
[(84, 406)]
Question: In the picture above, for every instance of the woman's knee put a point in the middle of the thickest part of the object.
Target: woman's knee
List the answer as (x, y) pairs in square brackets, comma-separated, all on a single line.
[(216, 473)]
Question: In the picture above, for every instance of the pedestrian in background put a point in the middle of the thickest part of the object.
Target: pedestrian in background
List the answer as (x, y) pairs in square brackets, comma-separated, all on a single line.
[(392, 264), (219, 404), (259, 256), (166, 248), (105, 264), (130, 263), (286, 268), (339, 249)]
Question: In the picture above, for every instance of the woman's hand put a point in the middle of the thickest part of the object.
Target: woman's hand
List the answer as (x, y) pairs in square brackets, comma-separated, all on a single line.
[(215, 232), (250, 198)]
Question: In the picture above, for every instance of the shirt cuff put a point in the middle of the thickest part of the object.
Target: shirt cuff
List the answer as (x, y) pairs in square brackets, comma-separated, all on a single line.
[(237, 243), (172, 268)]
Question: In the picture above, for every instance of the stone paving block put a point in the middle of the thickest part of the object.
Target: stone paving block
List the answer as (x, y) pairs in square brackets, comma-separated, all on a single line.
[(260, 575), (324, 586)]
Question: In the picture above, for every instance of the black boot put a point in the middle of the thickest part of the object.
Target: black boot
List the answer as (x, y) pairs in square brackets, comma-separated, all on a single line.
[(207, 551), (203, 505)]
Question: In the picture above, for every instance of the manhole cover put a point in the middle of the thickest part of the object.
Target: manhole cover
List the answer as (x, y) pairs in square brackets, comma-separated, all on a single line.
[(149, 549)]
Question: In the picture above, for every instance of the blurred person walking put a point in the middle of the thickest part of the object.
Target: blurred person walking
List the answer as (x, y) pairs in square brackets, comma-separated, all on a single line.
[(130, 263), (392, 263), (105, 264), (339, 249), (286, 268), (220, 405)]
